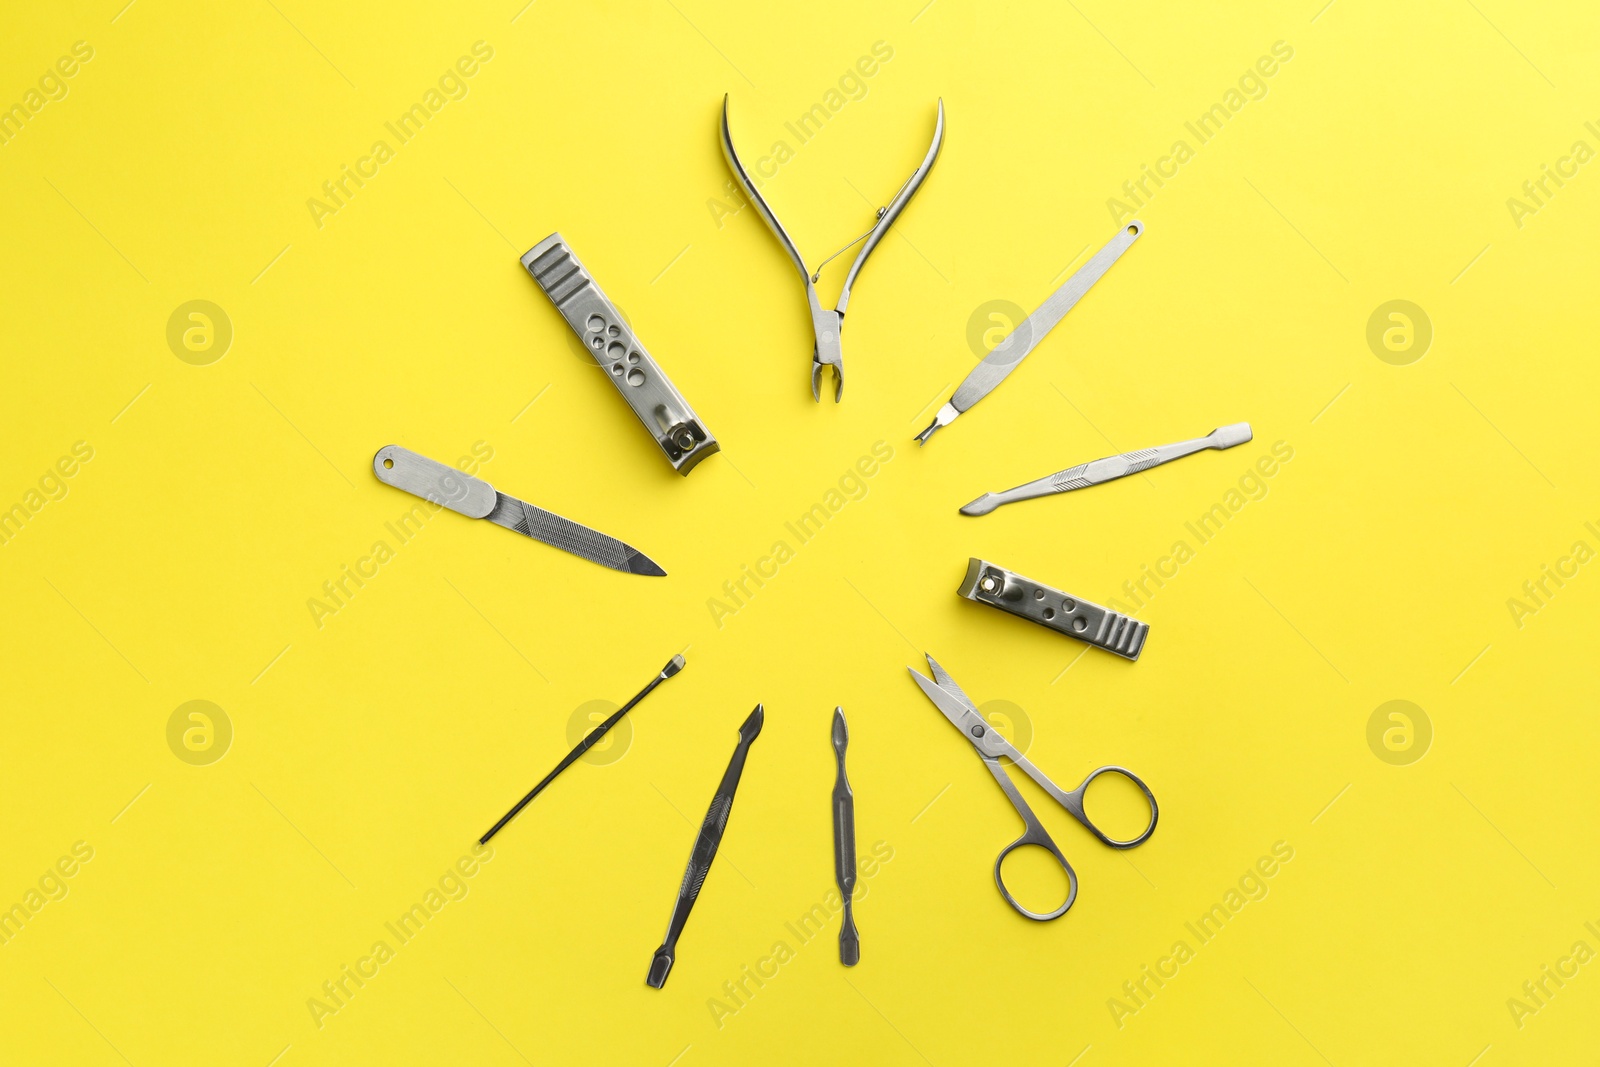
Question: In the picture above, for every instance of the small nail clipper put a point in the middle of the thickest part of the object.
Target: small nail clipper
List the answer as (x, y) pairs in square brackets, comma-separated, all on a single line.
[(1026, 335), (1110, 468), (988, 583), (825, 324)]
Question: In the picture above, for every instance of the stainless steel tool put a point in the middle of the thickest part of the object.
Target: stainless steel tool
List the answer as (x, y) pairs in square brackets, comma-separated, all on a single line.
[(600, 326), (988, 583), (990, 746), (704, 851), (1026, 335), (475, 498), (844, 844), (827, 325), (674, 665), (1110, 468)]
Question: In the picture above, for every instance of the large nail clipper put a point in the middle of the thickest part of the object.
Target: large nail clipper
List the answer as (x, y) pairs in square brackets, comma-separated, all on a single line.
[(477, 499), (991, 584), (1110, 468), (828, 324), (1026, 335), (600, 326), (704, 851)]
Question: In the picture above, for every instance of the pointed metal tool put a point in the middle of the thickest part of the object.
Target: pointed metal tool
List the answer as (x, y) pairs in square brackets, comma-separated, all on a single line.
[(1110, 468), (704, 851), (674, 665), (477, 499), (1004, 357), (844, 844)]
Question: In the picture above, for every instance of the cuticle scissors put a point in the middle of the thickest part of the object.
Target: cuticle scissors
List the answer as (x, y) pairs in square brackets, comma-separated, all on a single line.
[(948, 697)]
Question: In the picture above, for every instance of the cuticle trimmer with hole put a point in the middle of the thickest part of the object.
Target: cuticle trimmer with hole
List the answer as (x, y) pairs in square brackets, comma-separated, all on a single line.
[(828, 324), (475, 498)]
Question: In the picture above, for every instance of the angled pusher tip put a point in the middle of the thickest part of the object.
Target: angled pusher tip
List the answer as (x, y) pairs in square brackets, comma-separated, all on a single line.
[(841, 732), (752, 725), (981, 506), (674, 665)]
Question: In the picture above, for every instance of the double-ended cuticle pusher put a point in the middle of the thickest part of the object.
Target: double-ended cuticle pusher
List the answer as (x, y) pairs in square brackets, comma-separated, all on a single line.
[(844, 844), (704, 851), (1110, 468)]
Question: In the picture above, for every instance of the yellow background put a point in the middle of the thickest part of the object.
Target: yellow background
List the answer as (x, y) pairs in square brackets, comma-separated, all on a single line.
[(369, 753)]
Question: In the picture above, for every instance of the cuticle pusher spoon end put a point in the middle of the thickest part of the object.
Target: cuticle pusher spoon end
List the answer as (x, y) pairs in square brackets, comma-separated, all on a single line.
[(1110, 468)]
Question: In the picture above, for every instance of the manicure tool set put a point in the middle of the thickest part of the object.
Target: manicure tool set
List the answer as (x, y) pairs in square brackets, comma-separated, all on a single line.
[(684, 440)]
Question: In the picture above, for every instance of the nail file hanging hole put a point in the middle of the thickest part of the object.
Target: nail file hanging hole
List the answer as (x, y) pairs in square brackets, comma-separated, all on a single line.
[(388, 464), (1134, 229), (596, 323)]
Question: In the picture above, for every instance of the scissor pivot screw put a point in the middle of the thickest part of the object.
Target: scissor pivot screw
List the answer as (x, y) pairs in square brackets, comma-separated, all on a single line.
[(977, 731)]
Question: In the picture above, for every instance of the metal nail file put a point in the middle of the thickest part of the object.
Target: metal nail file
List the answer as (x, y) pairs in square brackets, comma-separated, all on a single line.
[(441, 484), (1025, 337), (844, 844), (674, 665), (989, 583), (1110, 468), (679, 433), (704, 851)]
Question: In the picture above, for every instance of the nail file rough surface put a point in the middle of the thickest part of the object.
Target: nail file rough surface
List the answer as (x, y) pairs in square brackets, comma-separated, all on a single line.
[(569, 536)]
